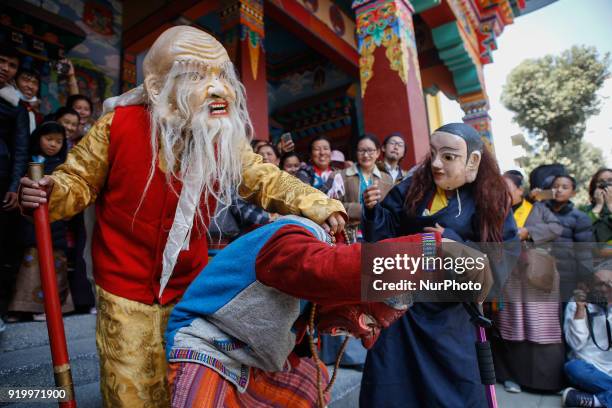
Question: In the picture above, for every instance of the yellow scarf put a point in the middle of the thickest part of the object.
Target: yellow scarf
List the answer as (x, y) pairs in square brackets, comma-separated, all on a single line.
[(521, 213), (439, 201)]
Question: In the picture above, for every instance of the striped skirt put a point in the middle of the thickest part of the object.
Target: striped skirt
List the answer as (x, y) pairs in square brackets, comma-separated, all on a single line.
[(193, 385), (529, 314)]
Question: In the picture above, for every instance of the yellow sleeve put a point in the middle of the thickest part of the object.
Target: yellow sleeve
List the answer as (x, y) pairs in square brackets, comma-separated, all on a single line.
[(279, 192), (78, 181)]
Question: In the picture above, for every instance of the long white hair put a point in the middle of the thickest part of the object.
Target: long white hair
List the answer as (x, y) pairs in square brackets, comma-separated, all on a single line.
[(204, 156)]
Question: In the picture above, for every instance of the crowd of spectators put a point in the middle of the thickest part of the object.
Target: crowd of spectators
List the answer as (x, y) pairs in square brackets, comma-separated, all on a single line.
[(550, 339), (561, 339), (29, 135)]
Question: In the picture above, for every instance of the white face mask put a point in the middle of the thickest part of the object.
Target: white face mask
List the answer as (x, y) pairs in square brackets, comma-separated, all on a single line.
[(23, 97)]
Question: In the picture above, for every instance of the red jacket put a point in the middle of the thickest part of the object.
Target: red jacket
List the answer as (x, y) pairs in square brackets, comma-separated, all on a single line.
[(129, 240)]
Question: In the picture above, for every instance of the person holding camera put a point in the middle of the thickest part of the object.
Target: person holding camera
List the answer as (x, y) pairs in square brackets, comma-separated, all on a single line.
[(600, 210), (588, 321), (76, 100), (285, 144)]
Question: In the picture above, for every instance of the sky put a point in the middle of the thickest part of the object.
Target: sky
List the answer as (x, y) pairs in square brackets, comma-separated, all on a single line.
[(549, 30)]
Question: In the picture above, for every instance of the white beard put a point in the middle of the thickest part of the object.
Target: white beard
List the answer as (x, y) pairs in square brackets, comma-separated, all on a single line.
[(206, 154), (192, 142), (203, 153)]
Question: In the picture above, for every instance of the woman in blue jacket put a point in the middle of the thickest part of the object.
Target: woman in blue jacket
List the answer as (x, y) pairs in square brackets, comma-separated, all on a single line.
[(428, 357)]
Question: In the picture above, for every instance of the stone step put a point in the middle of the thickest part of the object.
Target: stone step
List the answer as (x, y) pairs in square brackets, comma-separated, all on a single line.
[(18, 336), (25, 361), (33, 367), (25, 356)]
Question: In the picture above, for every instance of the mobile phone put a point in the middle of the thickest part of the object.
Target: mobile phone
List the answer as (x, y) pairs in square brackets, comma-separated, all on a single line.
[(544, 195), (286, 137), (62, 68)]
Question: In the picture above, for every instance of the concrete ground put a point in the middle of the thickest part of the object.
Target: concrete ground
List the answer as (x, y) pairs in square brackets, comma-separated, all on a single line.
[(346, 395), (526, 400), (25, 361)]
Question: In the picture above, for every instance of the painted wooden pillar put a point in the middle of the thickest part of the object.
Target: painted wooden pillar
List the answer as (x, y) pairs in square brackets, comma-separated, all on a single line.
[(476, 108), (243, 36), (391, 87)]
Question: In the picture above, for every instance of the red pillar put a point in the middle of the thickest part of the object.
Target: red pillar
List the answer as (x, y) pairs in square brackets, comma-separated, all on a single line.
[(243, 35), (391, 87)]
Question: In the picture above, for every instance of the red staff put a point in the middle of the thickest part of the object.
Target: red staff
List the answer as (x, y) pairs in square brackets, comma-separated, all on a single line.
[(53, 310)]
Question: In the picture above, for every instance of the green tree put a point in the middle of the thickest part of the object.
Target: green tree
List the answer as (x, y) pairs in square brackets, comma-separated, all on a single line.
[(552, 97)]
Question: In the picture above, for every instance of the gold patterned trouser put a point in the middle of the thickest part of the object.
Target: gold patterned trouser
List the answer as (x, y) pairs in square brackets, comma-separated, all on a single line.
[(129, 337)]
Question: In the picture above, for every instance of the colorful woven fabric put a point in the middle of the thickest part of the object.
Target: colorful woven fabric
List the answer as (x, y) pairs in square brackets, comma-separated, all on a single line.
[(197, 386)]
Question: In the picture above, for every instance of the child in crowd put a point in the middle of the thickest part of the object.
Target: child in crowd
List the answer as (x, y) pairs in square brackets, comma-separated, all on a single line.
[(573, 262), (290, 162), (84, 107), (47, 145), (70, 120)]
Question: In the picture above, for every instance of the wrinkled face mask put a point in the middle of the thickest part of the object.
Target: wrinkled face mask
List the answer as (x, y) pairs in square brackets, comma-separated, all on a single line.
[(191, 70), (213, 90)]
